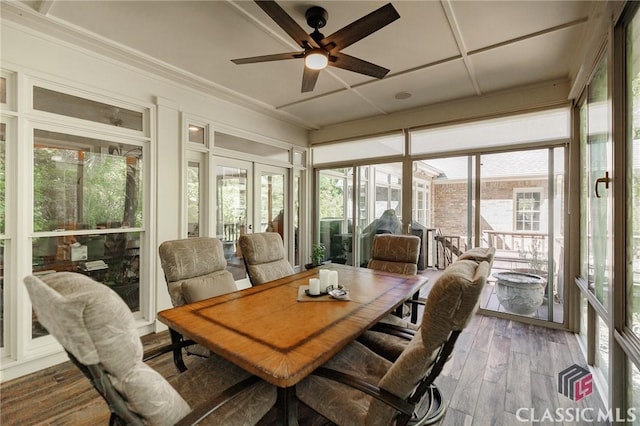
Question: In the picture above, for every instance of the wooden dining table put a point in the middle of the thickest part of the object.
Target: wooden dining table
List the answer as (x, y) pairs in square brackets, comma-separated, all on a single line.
[(281, 335)]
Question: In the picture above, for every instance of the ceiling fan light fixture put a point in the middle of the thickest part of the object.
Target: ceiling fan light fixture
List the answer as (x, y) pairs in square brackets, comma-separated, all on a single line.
[(316, 59)]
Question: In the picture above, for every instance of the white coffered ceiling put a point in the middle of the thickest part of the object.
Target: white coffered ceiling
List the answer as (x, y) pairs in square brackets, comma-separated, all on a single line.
[(436, 51)]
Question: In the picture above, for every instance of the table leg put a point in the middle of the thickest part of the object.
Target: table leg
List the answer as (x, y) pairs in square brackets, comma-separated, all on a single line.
[(414, 307), (176, 338), (287, 406)]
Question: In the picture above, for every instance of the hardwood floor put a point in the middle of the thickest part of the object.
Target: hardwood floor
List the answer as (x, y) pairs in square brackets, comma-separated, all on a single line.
[(500, 368)]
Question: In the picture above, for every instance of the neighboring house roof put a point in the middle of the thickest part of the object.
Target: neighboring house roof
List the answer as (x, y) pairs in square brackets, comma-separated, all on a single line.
[(519, 164)]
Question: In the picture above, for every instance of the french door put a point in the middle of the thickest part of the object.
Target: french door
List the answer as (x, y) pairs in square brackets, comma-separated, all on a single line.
[(270, 201), (250, 197), (233, 207)]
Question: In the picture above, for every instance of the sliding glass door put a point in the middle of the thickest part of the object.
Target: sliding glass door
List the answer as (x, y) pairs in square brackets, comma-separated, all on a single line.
[(521, 215), (596, 210), (512, 201)]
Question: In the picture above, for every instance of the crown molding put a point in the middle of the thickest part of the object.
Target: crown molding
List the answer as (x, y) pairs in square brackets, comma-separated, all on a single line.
[(92, 43)]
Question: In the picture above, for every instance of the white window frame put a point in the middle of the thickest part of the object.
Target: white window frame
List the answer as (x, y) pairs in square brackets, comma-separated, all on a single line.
[(516, 210)]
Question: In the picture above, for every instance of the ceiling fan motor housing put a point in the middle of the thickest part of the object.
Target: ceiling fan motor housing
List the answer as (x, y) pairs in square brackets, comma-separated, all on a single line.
[(316, 17)]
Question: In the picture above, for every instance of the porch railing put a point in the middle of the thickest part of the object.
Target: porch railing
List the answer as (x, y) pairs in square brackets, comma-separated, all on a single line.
[(519, 247)]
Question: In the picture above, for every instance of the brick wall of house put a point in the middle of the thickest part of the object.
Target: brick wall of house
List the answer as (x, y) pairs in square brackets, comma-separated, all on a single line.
[(449, 201)]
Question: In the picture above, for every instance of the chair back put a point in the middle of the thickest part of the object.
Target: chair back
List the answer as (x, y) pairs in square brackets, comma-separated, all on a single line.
[(97, 328), (195, 269), (264, 257), (395, 253), (480, 254), (450, 305)]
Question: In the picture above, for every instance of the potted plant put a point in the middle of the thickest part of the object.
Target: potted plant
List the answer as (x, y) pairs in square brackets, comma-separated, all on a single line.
[(317, 256)]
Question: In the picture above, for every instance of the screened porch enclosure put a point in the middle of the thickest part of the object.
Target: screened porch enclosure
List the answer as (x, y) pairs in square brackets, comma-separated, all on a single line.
[(520, 214), (506, 189)]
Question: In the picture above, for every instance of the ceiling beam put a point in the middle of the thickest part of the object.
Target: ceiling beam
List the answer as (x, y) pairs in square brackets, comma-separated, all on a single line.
[(457, 35), (45, 6)]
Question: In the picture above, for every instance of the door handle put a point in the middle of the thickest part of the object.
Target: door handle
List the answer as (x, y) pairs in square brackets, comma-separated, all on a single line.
[(606, 180), (250, 227)]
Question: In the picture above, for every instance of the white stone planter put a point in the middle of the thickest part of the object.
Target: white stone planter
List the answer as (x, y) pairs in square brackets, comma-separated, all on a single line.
[(520, 292)]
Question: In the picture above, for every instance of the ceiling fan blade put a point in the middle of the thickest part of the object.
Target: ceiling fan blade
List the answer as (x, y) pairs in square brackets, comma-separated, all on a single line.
[(287, 23), (361, 28), (344, 61), (268, 58), (309, 78)]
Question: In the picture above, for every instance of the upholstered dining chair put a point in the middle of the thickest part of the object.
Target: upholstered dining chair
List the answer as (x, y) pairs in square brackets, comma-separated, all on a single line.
[(358, 386), (397, 253), (264, 257), (195, 269), (390, 338), (99, 333)]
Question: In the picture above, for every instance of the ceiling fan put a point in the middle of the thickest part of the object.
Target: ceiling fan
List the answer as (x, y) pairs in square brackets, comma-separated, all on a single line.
[(320, 51)]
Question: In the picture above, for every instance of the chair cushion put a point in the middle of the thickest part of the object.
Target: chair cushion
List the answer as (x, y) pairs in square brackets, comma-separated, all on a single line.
[(212, 375), (93, 323), (261, 248), (340, 403), (151, 396), (386, 345), (204, 287), (192, 257), (265, 257), (269, 271), (195, 269), (479, 254), (396, 248)]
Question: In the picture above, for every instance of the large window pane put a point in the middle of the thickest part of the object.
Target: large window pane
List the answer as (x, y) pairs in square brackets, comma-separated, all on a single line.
[(334, 214), (231, 216), (272, 218), (84, 183), (197, 134), (602, 348), (596, 150), (549, 125), (86, 109), (235, 143), (385, 204), (382, 146), (518, 189), (90, 192), (297, 201), (193, 199), (633, 176), (109, 257), (446, 224)]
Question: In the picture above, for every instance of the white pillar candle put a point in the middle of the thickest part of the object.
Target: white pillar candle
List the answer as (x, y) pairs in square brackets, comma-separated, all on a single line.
[(314, 286), (333, 279), (324, 280)]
